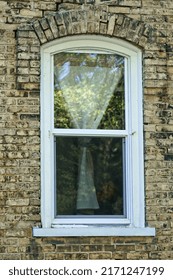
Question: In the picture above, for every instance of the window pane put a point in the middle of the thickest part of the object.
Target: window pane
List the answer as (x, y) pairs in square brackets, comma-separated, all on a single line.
[(89, 91), (89, 176)]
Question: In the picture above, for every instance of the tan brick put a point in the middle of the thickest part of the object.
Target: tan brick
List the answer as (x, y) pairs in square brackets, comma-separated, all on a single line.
[(99, 256), (24, 26), (18, 202), (30, 13)]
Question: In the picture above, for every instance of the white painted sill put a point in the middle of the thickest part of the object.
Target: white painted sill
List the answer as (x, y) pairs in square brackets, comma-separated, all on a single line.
[(76, 230)]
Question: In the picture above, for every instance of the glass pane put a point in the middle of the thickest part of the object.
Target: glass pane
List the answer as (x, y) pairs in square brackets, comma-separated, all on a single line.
[(89, 176), (89, 91)]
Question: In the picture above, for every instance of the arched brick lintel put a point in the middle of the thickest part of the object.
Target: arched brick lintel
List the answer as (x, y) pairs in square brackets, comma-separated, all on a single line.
[(91, 21), (73, 22)]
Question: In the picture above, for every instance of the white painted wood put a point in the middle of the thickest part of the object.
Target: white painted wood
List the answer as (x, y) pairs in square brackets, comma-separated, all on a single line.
[(92, 231), (90, 220), (90, 132)]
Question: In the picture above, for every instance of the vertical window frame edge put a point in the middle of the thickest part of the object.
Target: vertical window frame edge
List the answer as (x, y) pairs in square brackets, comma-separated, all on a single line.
[(139, 216)]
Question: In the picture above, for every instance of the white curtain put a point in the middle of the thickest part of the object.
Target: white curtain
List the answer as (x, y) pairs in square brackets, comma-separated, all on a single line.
[(87, 92)]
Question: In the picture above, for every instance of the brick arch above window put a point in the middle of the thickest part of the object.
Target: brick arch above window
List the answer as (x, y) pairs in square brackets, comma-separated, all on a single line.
[(92, 20)]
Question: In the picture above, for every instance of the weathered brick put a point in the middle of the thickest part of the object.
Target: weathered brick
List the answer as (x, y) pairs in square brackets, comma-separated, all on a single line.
[(53, 26), (40, 32), (24, 27), (111, 25), (100, 256)]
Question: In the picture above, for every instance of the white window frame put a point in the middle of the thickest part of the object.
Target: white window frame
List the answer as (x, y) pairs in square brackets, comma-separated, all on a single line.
[(134, 222)]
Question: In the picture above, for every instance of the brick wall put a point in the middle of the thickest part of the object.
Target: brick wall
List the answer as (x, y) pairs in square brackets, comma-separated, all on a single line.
[(24, 26)]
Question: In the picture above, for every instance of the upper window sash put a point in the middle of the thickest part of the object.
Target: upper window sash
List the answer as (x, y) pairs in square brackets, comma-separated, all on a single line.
[(48, 53)]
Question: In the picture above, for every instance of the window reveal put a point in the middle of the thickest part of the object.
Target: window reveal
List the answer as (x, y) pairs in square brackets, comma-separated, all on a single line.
[(92, 168)]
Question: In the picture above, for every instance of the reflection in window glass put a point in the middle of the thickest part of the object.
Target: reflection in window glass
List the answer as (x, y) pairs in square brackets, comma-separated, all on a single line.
[(89, 176), (89, 91)]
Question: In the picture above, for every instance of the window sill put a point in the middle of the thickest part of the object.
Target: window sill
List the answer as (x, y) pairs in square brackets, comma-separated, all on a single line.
[(72, 230)]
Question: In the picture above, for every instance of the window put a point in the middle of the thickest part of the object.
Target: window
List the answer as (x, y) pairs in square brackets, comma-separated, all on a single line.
[(92, 138)]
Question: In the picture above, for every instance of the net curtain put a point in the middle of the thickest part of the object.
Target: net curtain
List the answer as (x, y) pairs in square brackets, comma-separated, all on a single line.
[(87, 91)]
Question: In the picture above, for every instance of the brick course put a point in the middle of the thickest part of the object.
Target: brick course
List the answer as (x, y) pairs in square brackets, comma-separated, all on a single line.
[(24, 26)]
